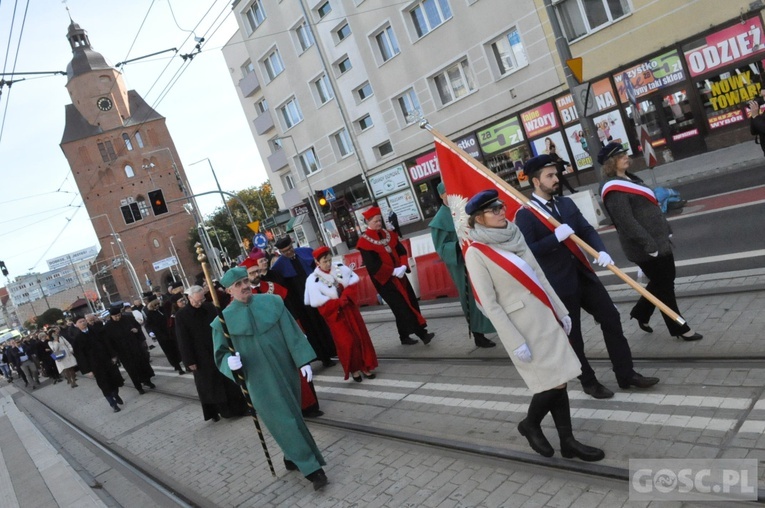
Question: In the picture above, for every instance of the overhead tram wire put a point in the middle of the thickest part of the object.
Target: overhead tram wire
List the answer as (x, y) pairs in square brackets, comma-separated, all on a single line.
[(10, 36), (15, 61)]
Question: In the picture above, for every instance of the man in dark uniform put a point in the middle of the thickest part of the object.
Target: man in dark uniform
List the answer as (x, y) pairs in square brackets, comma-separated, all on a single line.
[(124, 336), (572, 276), (294, 265), (94, 355)]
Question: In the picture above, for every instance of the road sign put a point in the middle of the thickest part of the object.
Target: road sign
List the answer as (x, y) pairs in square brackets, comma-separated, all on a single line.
[(329, 194), (584, 100), (260, 240), (254, 226), (164, 263), (575, 64)]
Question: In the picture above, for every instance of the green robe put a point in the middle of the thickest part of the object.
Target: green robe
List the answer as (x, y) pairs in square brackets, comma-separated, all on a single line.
[(447, 246), (272, 348)]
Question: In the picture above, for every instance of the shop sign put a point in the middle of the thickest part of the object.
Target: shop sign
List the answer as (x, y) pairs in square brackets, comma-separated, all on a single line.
[(469, 143), (424, 167), (686, 134), (725, 47), (539, 120), (605, 98), (717, 121), (654, 74), (501, 136), (388, 181), (299, 210), (733, 90)]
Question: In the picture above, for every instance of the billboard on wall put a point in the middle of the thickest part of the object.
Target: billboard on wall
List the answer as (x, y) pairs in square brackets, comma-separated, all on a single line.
[(727, 46), (605, 98), (539, 120), (501, 136), (647, 77)]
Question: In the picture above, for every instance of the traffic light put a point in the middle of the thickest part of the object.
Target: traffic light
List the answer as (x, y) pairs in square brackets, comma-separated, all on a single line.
[(158, 204), (324, 205), (3, 268)]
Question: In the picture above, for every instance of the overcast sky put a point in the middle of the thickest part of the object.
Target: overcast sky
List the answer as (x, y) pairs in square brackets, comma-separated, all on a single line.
[(41, 213)]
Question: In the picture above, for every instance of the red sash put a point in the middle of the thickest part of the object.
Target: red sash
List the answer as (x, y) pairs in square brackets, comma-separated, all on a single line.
[(629, 188), (516, 272), (568, 242)]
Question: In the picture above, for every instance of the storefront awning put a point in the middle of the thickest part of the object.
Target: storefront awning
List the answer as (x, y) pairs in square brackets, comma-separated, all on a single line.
[(291, 224)]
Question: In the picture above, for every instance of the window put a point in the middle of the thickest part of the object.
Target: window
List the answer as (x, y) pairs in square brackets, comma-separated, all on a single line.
[(323, 89), (343, 142), (324, 9), (454, 83), (409, 105), (273, 64), (309, 162), (130, 212), (580, 17), (304, 36), (254, 16), (138, 139), (344, 65), (384, 150), (107, 151), (247, 68), (128, 144), (261, 106), (364, 123), (288, 181), (129, 171), (429, 14), (387, 44), (343, 32), (364, 91), (291, 113), (509, 53)]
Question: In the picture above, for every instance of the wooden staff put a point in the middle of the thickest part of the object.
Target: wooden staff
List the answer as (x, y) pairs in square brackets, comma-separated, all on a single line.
[(524, 201), (238, 374)]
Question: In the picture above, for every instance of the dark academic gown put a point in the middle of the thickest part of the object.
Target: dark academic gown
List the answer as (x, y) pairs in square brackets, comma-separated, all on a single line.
[(157, 323), (129, 348), (381, 252), (218, 394), (294, 273), (272, 348), (94, 355)]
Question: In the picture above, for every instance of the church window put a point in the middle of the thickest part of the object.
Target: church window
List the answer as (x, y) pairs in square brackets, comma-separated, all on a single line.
[(128, 143), (138, 139), (129, 171), (107, 151)]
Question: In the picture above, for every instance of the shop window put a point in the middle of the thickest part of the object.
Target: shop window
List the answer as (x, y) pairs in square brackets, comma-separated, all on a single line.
[(291, 114), (387, 45), (725, 95), (323, 88), (308, 162), (581, 17), (454, 83), (509, 53), (254, 16), (273, 64), (408, 106), (428, 15), (304, 36)]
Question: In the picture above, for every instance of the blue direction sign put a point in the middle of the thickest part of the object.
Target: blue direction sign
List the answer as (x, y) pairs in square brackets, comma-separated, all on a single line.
[(260, 240), (329, 194)]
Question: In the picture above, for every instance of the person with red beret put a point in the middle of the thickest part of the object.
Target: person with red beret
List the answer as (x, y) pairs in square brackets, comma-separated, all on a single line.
[(332, 290), (386, 261)]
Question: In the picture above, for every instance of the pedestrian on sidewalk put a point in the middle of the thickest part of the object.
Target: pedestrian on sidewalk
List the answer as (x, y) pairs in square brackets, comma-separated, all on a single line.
[(96, 358), (61, 356), (272, 352), (125, 338), (449, 249), (572, 277), (645, 237), (386, 261), (333, 290), (531, 320)]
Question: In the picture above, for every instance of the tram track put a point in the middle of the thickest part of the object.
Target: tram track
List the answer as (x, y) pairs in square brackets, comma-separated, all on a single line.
[(663, 361)]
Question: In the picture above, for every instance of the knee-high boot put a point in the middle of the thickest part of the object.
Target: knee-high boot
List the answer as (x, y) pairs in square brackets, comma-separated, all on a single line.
[(530, 427), (569, 446)]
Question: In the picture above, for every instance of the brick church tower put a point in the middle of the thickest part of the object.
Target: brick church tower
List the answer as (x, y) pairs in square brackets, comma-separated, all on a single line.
[(126, 167)]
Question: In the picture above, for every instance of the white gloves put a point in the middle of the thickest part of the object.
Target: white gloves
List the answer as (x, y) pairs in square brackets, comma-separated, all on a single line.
[(522, 353), (654, 254), (563, 231), (234, 362), (400, 271), (566, 322), (604, 259), (306, 372), (151, 334)]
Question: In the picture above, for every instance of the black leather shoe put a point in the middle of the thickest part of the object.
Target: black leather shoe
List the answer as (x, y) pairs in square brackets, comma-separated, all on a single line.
[(408, 341), (150, 384), (141, 391), (536, 438), (119, 399), (482, 341), (328, 363), (570, 448), (357, 379), (371, 375), (597, 391), (637, 381), (689, 338), (314, 414), (318, 478), (427, 338), (643, 326), (289, 465), (116, 409)]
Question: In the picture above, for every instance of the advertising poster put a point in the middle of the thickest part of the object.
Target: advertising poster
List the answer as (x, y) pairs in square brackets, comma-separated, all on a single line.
[(539, 120), (405, 206), (652, 75), (553, 142), (500, 136), (611, 128), (581, 158), (332, 234), (605, 98), (389, 181), (725, 47), (725, 119)]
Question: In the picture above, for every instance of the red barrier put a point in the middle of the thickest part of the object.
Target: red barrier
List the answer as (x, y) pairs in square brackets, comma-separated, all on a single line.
[(353, 260), (366, 290), (435, 281)]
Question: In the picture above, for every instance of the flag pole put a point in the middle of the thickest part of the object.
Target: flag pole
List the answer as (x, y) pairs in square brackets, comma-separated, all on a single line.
[(238, 374), (524, 201)]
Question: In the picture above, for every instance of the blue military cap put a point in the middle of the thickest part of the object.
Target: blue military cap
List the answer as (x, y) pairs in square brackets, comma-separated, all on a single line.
[(535, 164), (609, 151), (233, 275), (481, 201)]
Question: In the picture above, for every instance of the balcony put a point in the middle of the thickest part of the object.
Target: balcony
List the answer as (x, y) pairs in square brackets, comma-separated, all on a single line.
[(292, 198), (249, 84), (277, 160), (263, 123)]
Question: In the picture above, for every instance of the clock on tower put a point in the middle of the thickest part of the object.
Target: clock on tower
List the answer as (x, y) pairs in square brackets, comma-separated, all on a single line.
[(104, 103)]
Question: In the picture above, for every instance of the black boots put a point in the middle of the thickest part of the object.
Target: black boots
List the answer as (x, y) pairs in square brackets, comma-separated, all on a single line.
[(530, 427), (482, 341), (318, 478)]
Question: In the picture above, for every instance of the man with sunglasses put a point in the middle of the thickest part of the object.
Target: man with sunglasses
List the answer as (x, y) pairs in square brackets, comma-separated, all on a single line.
[(572, 277)]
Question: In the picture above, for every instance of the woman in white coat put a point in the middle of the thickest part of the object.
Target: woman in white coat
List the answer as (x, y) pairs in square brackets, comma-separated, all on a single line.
[(66, 364), (530, 319)]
